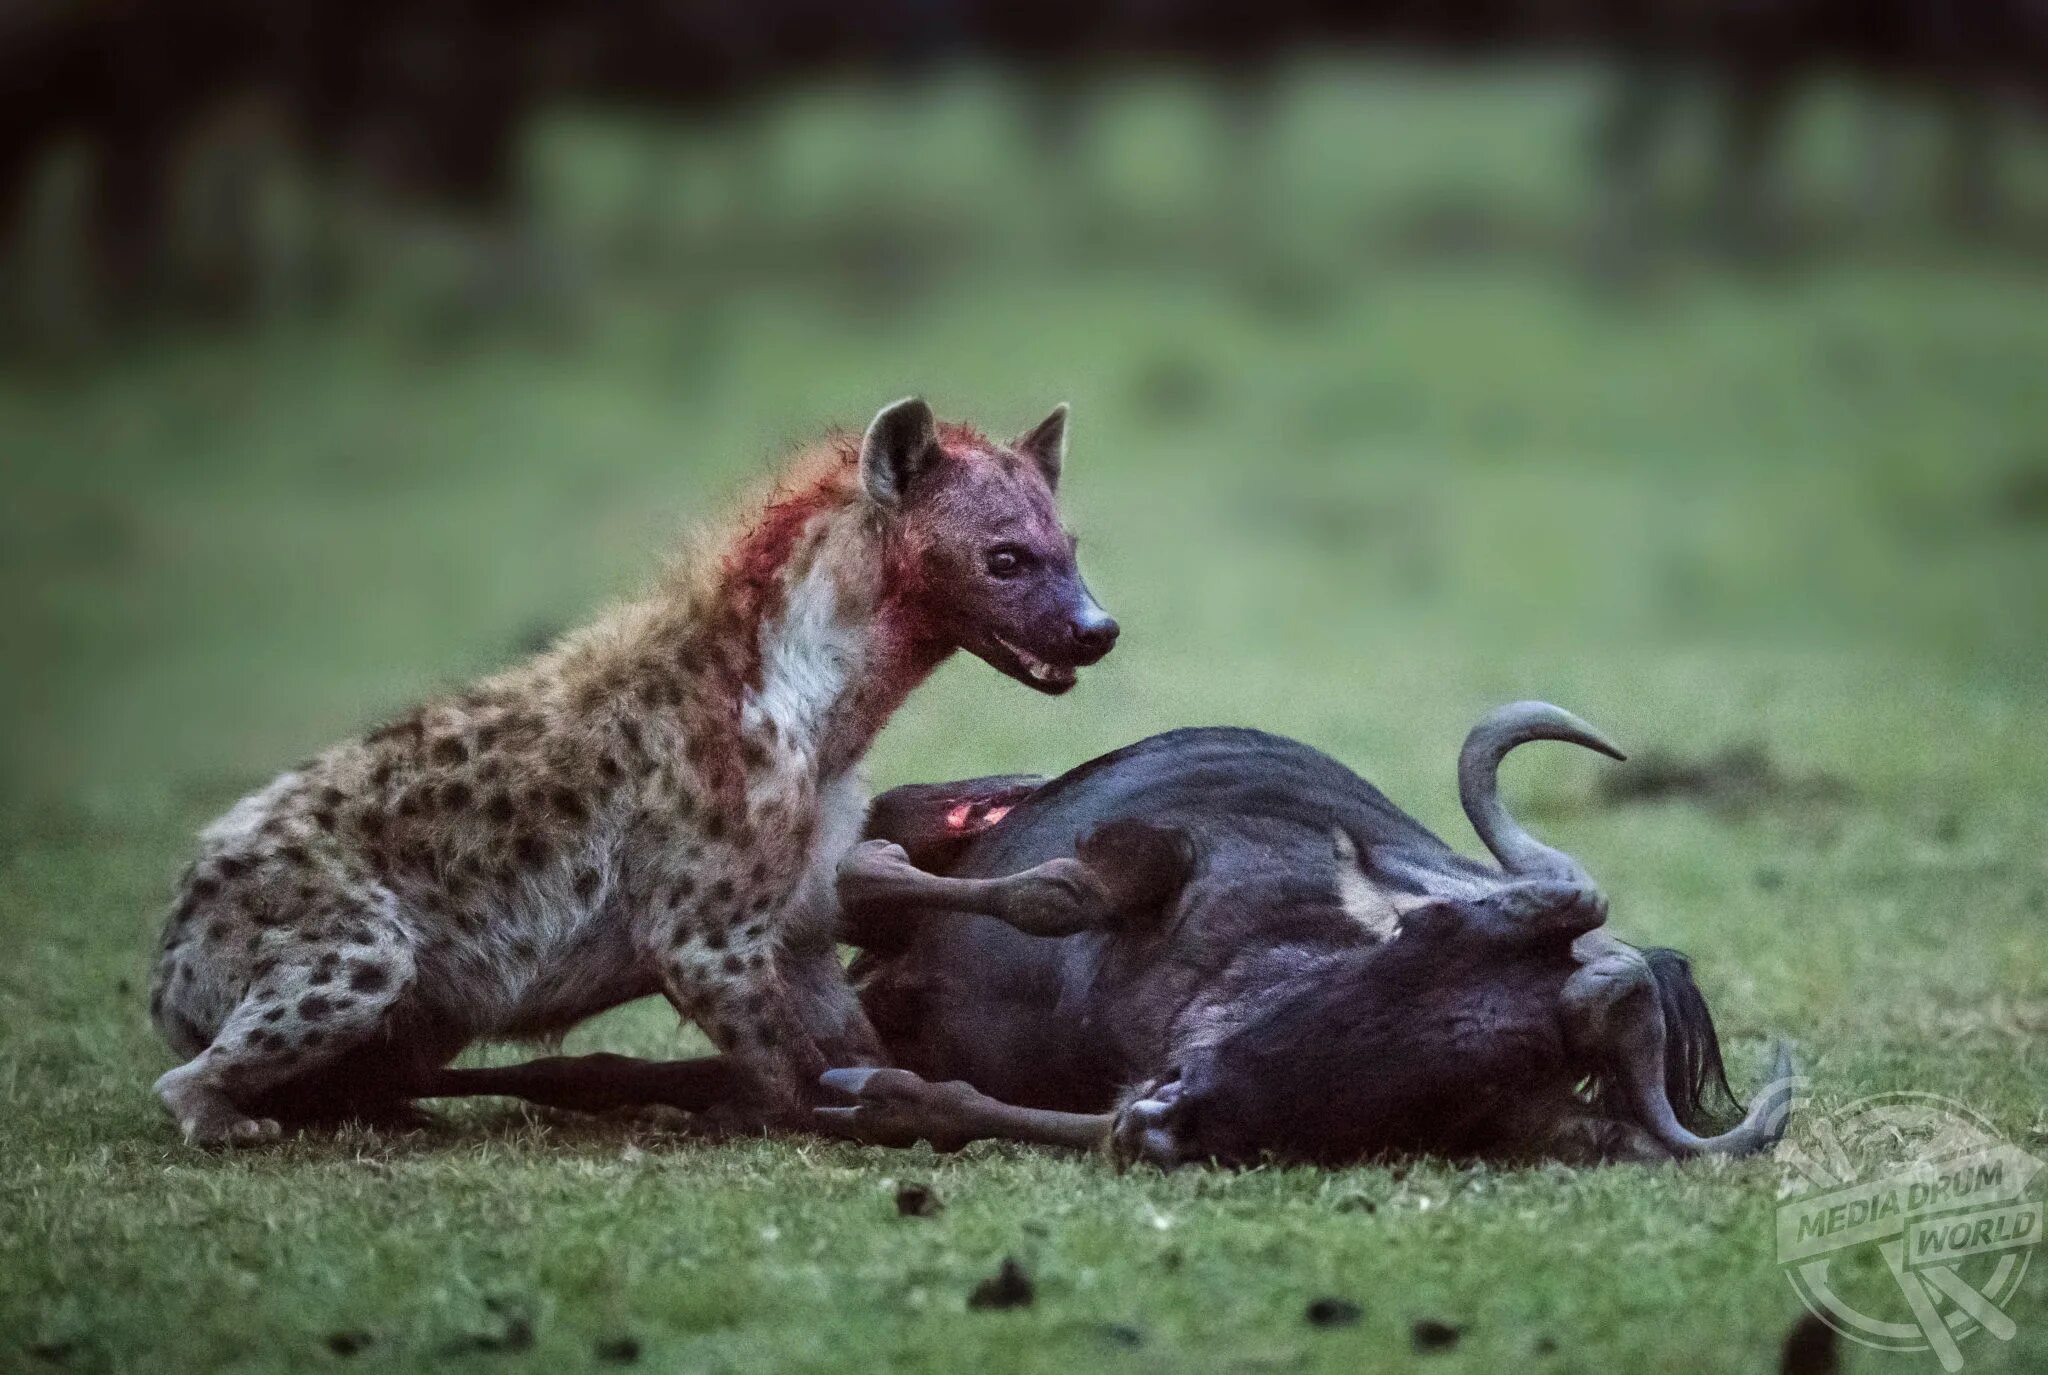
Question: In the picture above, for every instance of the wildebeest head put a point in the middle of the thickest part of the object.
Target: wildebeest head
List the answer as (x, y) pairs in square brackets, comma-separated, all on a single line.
[(1415, 1046), (979, 544), (1470, 1033), (1468, 1027)]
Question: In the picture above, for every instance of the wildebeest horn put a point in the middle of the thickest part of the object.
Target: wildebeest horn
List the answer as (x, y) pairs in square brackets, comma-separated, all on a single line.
[(1759, 1130), (1518, 723)]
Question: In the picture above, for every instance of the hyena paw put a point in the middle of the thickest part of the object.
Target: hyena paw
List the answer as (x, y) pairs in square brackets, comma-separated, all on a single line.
[(226, 1131), (207, 1117)]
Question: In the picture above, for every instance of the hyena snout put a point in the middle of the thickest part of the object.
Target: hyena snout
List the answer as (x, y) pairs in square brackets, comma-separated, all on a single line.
[(1092, 631)]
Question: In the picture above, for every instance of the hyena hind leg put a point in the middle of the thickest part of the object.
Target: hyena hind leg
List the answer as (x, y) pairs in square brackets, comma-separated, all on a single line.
[(205, 1115), (303, 1017)]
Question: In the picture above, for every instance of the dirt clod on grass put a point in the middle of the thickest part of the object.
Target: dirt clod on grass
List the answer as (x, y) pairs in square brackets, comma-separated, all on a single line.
[(1172, 386), (917, 1200), (1809, 1348), (2021, 496), (515, 1335), (1430, 1335), (1329, 1312), (1008, 1287), (618, 1350), (1739, 779), (348, 1343)]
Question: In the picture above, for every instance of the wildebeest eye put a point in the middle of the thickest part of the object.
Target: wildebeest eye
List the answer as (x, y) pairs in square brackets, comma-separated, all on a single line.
[(1005, 561)]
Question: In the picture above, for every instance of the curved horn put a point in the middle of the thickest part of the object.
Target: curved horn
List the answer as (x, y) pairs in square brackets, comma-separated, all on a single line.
[(1518, 723), (1759, 1130), (1613, 1008)]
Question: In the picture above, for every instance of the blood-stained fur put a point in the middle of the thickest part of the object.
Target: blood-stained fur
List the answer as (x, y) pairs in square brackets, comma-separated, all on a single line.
[(653, 805)]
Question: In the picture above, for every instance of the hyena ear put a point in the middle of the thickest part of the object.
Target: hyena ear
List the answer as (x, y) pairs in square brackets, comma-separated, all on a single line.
[(1046, 445), (901, 442)]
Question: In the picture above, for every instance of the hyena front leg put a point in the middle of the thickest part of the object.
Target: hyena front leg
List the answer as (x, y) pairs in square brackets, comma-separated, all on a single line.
[(829, 1007), (722, 974)]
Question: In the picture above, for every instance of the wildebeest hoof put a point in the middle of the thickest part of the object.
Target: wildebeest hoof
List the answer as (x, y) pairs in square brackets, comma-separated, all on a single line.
[(893, 1107), (1057, 898), (868, 870), (1143, 1131)]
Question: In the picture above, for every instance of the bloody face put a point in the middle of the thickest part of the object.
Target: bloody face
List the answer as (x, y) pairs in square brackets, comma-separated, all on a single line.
[(995, 568)]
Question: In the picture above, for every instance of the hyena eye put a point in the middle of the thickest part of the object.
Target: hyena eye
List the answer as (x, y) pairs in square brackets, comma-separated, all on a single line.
[(1005, 561)]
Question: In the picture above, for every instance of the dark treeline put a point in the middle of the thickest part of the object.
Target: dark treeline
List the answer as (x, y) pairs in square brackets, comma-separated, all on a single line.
[(429, 98)]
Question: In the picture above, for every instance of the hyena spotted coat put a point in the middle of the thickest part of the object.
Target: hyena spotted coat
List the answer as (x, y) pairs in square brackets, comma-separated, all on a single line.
[(655, 804)]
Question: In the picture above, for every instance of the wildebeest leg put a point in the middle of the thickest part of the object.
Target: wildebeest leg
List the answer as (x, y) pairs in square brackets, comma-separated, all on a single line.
[(826, 1005), (595, 1083), (1122, 870), (893, 1107), (1612, 1017)]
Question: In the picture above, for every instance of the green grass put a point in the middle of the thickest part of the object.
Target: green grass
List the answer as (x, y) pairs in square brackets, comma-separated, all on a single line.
[(1359, 495)]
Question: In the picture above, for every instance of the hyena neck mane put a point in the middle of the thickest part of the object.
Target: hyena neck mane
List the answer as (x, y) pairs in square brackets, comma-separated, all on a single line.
[(798, 629)]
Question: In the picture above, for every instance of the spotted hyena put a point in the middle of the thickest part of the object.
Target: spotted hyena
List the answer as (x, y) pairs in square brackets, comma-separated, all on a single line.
[(654, 804)]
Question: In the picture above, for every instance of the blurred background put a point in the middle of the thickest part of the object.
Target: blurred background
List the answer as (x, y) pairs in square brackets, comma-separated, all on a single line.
[(236, 160), (1683, 362), (1681, 359)]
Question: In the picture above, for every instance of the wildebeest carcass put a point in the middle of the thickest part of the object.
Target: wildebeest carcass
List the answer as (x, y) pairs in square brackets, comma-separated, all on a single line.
[(1218, 944)]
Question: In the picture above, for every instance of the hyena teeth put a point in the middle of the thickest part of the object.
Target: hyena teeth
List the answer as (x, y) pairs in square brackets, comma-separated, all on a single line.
[(1044, 672), (1037, 669)]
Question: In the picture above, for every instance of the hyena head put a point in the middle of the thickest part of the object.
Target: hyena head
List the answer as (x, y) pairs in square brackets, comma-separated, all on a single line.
[(979, 549)]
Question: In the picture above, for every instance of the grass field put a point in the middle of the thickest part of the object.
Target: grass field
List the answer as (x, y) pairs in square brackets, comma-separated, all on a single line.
[(1359, 493)]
